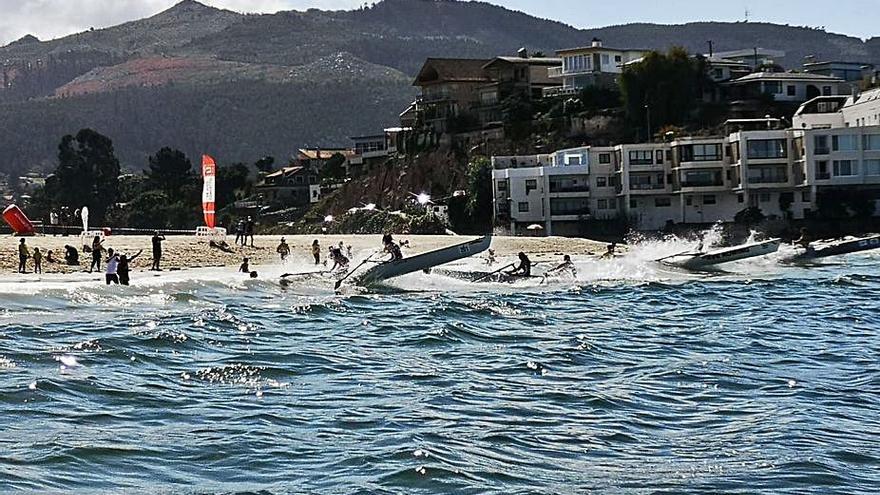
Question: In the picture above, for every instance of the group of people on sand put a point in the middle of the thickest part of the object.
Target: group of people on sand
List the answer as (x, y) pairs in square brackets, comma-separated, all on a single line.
[(117, 266), (244, 229)]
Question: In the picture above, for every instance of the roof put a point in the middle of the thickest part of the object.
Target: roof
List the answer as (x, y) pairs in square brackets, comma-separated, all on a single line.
[(838, 62), (437, 70), (284, 171), (724, 61), (786, 76), (549, 61), (750, 52), (600, 48), (323, 153)]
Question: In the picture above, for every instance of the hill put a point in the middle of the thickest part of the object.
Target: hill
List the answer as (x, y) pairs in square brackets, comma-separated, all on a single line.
[(200, 78)]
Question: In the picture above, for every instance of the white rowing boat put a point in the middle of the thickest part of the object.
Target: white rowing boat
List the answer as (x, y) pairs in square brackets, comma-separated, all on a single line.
[(697, 261), (838, 248), (424, 261)]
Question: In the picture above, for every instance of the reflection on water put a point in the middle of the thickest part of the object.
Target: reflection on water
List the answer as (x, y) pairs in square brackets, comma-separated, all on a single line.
[(634, 378)]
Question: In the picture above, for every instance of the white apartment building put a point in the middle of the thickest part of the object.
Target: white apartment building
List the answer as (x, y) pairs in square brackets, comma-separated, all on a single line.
[(645, 189), (860, 109), (539, 190), (591, 65)]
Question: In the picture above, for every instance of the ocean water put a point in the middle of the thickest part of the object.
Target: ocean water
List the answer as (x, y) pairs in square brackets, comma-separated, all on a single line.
[(635, 378)]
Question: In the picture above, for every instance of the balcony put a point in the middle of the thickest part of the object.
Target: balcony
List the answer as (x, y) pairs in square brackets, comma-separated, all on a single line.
[(646, 187), (554, 72), (823, 176), (552, 92), (568, 189), (693, 184)]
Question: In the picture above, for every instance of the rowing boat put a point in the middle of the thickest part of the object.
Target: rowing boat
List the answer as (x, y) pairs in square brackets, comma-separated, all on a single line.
[(699, 261), (839, 248), (424, 261)]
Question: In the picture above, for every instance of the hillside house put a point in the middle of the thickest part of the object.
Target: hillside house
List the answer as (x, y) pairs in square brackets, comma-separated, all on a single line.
[(594, 65), (450, 93), (522, 75), (791, 87), (290, 186)]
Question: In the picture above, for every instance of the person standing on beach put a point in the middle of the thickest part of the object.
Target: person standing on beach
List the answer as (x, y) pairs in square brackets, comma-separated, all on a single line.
[(283, 249), (97, 249), (23, 254), (316, 251), (157, 250), (123, 268), (38, 260), (249, 227), (111, 274), (239, 232)]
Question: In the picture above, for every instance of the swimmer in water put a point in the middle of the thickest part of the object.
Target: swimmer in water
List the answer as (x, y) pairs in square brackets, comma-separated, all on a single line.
[(245, 266)]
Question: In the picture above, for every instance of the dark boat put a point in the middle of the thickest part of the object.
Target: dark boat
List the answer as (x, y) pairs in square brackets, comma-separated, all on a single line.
[(839, 248)]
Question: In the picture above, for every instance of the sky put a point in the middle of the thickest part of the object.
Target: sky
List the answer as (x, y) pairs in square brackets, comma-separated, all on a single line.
[(48, 19)]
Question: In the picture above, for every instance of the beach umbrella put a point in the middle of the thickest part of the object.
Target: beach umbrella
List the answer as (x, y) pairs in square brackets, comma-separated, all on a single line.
[(535, 226)]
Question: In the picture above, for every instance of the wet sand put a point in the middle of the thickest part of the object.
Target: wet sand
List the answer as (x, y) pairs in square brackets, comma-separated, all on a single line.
[(182, 252)]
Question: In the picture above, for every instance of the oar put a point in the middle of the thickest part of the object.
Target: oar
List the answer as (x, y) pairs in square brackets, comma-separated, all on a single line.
[(484, 277), (678, 254), (286, 275), (339, 282)]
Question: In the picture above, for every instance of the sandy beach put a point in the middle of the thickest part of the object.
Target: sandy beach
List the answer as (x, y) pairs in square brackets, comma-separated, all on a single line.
[(183, 252)]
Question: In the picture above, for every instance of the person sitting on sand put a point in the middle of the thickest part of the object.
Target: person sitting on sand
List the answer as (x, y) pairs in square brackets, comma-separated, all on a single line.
[(316, 251), (71, 255), (221, 245), (391, 248), (123, 268), (50, 257), (23, 254), (97, 248), (283, 249), (111, 272), (525, 266), (38, 260), (566, 267), (245, 266), (339, 260)]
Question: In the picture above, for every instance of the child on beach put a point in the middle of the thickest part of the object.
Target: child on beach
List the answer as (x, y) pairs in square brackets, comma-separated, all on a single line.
[(245, 266), (316, 251), (283, 249), (38, 260)]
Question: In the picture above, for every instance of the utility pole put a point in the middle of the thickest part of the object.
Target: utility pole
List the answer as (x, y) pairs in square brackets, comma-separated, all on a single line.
[(711, 48), (756, 58), (648, 118)]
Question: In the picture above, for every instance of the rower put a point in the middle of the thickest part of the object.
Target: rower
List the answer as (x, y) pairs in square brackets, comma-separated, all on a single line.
[(804, 240), (525, 266), (339, 260), (391, 248), (567, 266), (609, 251)]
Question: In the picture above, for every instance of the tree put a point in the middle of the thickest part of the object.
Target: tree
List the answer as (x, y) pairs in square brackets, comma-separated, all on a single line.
[(334, 169), (232, 180), (87, 174), (479, 189), (265, 164), (666, 85), (170, 171)]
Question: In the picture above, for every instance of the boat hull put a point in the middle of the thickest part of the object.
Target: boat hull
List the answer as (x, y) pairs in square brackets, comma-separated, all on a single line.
[(424, 261), (840, 248), (727, 255)]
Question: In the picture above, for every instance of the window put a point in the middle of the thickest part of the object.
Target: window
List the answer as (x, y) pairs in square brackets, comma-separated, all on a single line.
[(844, 168), (612, 181), (709, 200), (822, 170), (531, 185), (820, 145), (568, 183), (662, 202), (602, 204), (701, 153), (640, 182), (618, 58), (606, 59), (601, 182), (740, 198), (760, 149), (773, 87), (786, 198), (844, 142), (641, 157), (569, 206), (659, 155), (572, 159), (701, 178), (523, 207), (298, 179), (719, 73), (502, 186), (791, 90), (826, 90), (768, 175), (872, 142), (604, 158), (689, 201), (668, 155), (872, 167)]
